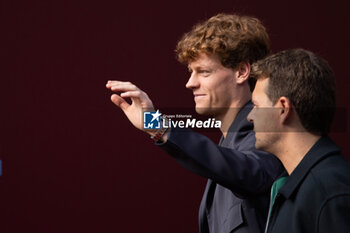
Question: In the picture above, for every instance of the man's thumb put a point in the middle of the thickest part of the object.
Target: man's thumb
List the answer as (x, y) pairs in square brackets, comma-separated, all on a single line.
[(120, 102)]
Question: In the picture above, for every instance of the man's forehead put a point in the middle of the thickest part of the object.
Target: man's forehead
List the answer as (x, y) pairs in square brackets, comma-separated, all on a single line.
[(259, 89), (254, 97), (204, 59), (261, 84)]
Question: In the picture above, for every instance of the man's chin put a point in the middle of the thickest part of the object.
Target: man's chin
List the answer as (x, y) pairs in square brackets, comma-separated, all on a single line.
[(263, 146), (259, 145), (203, 111)]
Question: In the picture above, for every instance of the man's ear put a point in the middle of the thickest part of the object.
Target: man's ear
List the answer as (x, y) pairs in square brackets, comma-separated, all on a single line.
[(243, 71), (285, 109)]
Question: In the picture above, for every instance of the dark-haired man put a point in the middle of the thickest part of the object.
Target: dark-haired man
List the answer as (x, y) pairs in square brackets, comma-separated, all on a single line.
[(218, 53), (294, 103)]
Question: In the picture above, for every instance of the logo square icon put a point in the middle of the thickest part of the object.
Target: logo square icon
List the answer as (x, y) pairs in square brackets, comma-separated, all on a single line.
[(151, 120)]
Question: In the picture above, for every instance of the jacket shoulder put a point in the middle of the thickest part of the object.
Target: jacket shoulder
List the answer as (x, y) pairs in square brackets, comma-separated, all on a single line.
[(330, 177)]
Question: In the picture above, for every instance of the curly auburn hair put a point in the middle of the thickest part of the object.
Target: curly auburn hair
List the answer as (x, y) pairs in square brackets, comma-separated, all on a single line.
[(233, 38)]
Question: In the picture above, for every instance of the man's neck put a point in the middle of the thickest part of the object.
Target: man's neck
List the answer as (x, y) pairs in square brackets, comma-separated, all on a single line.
[(230, 115), (294, 147), (227, 119)]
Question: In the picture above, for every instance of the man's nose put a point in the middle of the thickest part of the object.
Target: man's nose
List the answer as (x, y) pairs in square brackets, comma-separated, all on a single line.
[(192, 81), (250, 116)]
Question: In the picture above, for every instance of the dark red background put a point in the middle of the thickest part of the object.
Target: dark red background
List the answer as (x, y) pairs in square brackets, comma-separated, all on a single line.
[(71, 160)]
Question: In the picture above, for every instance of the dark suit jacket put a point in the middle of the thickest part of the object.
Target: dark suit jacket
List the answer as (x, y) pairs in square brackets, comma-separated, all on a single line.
[(316, 196), (236, 197)]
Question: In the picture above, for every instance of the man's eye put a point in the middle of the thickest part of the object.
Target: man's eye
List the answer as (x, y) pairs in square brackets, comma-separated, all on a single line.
[(204, 72)]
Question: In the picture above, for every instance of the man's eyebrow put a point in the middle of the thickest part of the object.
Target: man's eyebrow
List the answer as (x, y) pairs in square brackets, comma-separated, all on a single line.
[(199, 66), (195, 67)]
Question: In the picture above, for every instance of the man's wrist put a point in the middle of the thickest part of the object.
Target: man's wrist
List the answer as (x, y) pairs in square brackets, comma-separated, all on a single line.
[(159, 135)]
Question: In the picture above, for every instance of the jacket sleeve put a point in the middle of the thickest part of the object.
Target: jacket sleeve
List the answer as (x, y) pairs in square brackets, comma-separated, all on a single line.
[(334, 215), (245, 171)]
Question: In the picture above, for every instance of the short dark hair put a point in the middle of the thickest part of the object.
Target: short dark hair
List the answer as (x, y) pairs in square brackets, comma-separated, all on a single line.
[(233, 38), (306, 80)]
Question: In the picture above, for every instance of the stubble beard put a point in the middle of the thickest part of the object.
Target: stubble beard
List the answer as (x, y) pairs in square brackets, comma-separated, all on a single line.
[(265, 142)]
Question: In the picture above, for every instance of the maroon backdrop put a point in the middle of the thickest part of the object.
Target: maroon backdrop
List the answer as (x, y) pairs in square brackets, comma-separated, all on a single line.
[(71, 160)]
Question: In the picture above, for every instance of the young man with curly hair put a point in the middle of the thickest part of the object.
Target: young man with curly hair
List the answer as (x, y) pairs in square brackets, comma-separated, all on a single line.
[(219, 53)]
